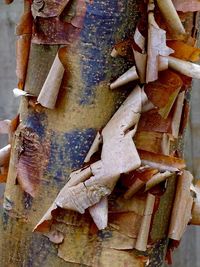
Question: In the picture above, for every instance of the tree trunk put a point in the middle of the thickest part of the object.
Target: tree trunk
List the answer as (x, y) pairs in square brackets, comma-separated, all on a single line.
[(62, 137), (85, 104)]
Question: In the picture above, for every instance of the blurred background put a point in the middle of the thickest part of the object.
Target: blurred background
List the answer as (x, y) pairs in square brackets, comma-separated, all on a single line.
[(188, 254)]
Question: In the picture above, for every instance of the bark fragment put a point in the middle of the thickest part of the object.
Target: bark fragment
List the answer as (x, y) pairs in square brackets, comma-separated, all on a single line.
[(23, 31), (22, 56), (178, 111), (142, 239), (187, 5), (181, 214), (49, 92), (55, 29), (169, 12), (5, 155), (138, 180), (156, 47), (184, 67), (161, 162), (150, 141), (33, 156), (157, 179), (129, 76), (184, 51)]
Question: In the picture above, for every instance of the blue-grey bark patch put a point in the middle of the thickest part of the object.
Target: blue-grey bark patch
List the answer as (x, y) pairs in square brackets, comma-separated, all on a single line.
[(70, 155), (102, 25), (37, 121), (97, 39)]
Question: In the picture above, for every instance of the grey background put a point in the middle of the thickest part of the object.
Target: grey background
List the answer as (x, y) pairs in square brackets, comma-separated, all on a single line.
[(188, 254)]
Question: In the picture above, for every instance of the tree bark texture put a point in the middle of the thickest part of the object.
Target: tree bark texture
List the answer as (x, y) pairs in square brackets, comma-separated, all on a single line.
[(61, 138), (85, 104)]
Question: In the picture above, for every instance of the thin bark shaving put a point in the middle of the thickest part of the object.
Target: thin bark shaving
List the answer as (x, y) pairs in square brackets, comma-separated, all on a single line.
[(176, 121), (181, 213), (156, 47), (169, 13), (142, 239), (129, 76), (187, 68), (18, 92), (157, 179), (99, 213), (187, 5), (161, 162), (49, 92), (5, 155)]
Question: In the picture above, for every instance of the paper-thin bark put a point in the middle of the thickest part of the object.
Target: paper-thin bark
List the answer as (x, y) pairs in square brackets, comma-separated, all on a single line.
[(184, 67), (49, 92), (138, 184), (181, 213), (94, 148), (5, 155), (176, 121), (22, 55), (99, 213), (142, 239), (129, 76), (156, 179), (169, 12), (156, 47), (161, 162), (187, 5), (149, 141), (18, 92), (139, 39)]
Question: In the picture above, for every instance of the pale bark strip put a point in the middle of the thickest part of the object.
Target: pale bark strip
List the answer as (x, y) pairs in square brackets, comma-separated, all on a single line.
[(5, 155), (49, 92), (181, 213), (156, 179), (187, 5), (18, 93), (184, 67), (142, 239), (138, 184), (171, 16), (94, 147), (176, 121), (139, 39), (141, 62), (156, 47), (129, 76), (99, 213)]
